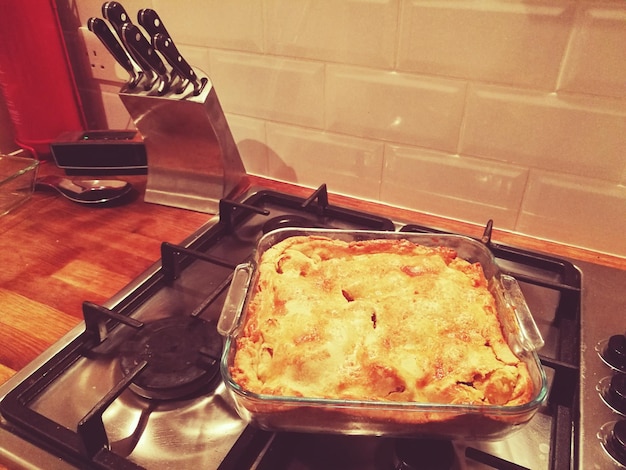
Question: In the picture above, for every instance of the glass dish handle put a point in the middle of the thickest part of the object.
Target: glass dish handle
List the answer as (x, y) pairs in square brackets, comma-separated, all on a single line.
[(235, 299), (530, 333)]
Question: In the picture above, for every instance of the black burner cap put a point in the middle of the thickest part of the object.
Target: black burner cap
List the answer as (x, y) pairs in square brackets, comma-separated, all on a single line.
[(423, 454), (182, 354)]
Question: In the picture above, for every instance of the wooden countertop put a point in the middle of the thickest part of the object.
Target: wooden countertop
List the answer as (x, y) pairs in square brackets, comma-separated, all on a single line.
[(56, 254)]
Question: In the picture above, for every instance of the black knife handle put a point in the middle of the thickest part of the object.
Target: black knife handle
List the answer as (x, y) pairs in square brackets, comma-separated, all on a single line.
[(135, 39), (166, 46), (106, 36), (115, 13), (150, 21), (137, 42)]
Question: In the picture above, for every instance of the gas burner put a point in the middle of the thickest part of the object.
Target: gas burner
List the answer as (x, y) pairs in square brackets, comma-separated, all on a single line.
[(182, 355), (287, 220), (423, 454)]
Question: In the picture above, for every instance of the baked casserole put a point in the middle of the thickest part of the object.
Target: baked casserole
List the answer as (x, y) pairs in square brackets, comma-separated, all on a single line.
[(375, 320)]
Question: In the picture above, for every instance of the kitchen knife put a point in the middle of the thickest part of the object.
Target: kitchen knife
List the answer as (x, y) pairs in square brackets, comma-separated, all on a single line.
[(106, 36), (135, 41), (166, 46), (150, 21), (115, 13)]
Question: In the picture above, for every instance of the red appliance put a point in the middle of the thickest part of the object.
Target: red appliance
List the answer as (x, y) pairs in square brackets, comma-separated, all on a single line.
[(35, 75)]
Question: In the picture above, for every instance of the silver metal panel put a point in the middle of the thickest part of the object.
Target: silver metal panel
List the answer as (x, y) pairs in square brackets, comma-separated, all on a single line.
[(192, 157), (603, 315)]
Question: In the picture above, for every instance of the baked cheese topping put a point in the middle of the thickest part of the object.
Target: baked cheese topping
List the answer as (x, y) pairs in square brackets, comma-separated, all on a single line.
[(383, 320)]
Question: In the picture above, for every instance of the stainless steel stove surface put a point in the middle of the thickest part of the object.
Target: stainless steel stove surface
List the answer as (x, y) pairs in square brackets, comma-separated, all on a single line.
[(96, 399)]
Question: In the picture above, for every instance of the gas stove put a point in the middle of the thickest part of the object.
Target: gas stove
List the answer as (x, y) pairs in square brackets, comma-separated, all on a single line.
[(137, 384)]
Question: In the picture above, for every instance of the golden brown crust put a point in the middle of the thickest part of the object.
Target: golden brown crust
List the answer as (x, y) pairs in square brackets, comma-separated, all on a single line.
[(384, 320)]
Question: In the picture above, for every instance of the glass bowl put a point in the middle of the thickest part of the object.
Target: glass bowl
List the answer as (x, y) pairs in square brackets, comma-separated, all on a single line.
[(17, 181)]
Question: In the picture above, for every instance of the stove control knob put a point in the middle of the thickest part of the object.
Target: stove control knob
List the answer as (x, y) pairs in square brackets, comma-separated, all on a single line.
[(617, 441), (615, 352), (616, 393)]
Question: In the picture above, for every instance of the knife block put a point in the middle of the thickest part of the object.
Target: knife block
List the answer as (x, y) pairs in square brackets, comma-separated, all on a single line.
[(192, 158)]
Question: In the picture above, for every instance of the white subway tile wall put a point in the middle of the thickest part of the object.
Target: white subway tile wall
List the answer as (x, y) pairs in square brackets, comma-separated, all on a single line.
[(595, 63), (249, 133), (579, 134), (462, 187), (569, 209), (359, 33), (270, 88), (518, 43), (318, 157), (233, 24), (471, 109), (394, 107)]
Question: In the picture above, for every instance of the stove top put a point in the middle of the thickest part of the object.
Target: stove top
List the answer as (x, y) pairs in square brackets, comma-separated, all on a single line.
[(100, 399)]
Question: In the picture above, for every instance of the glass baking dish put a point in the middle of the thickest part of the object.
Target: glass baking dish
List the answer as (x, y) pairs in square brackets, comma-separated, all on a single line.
[(17, 181), (388, 418)]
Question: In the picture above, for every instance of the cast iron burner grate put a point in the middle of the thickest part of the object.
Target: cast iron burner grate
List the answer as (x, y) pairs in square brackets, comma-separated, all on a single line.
[(182, 355), (190, 282)]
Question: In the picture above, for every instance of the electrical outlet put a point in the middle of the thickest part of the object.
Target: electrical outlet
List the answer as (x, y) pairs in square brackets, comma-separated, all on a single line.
[(102, 65)]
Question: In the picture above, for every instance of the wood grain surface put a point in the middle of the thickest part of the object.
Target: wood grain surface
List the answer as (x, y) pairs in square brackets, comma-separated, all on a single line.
[(56, 254)]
